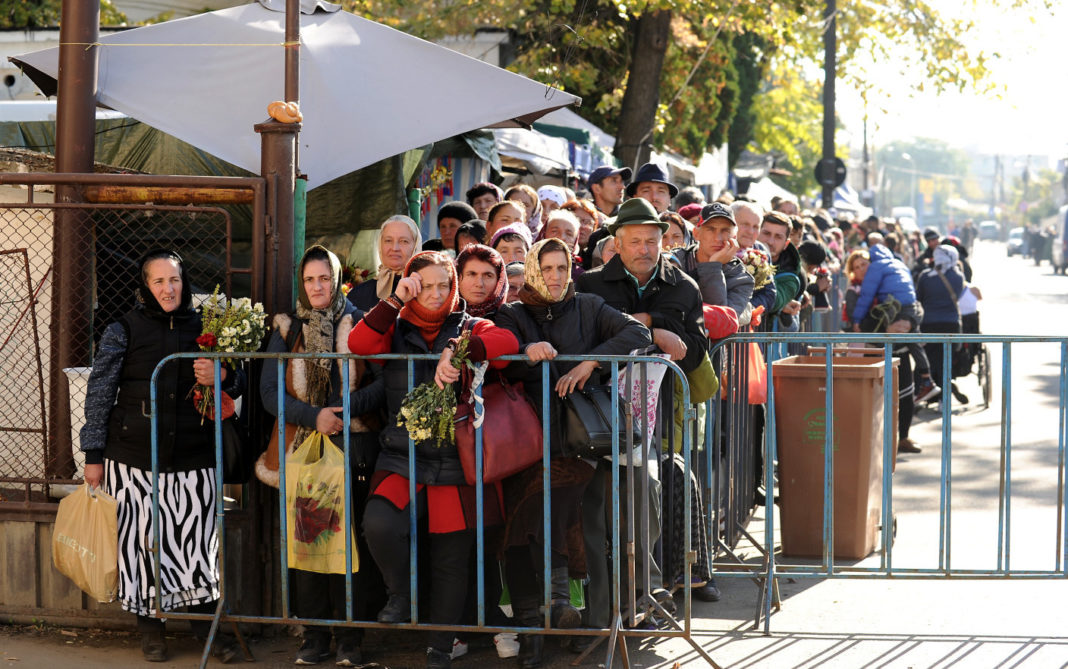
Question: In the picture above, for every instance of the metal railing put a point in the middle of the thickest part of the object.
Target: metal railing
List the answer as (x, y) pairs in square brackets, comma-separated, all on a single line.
[(623, 534), (772, 564)]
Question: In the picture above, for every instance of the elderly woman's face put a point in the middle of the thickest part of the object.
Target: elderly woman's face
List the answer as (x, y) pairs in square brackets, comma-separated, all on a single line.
[(318, 283), (609, 250), (515, 283), (164, 279), (553, 267), (477, 281), (586, 224), (396, 245), (436, 287)]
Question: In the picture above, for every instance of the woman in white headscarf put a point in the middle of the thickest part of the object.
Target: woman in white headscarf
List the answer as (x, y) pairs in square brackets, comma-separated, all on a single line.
[(939, 289), (399, 239)]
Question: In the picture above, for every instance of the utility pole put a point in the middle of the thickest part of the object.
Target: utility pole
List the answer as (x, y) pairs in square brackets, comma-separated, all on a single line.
[(829, 47), (72, 232)]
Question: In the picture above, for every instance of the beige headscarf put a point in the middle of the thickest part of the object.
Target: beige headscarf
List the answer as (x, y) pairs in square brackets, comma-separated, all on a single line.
[(534, 290), (386, 275)]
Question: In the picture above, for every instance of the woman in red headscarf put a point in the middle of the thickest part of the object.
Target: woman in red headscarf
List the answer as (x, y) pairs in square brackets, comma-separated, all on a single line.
[(425, 315)]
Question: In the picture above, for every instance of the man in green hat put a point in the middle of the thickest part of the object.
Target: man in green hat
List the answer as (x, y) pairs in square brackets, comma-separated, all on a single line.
[(641, 282)]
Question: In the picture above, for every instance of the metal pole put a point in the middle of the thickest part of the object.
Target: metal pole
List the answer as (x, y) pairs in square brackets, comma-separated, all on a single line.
[(72, 230), (829, 46), (292, 50)]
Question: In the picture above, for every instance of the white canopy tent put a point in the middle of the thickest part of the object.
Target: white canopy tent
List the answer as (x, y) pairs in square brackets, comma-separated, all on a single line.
[(208, 79)]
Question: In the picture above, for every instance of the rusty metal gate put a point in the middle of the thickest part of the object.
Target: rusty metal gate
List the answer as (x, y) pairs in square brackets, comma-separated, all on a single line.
[(123, 217)]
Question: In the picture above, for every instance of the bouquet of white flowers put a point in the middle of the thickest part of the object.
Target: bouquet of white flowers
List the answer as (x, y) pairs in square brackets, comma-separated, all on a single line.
[(230, 326), (759, 267)]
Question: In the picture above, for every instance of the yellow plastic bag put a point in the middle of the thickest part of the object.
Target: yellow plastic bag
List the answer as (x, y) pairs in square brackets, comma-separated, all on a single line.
[(315, 507), (85, 542)]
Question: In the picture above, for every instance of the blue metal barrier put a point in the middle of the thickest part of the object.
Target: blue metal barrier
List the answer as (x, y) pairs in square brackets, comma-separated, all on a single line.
[(616, 633), (773, 565)]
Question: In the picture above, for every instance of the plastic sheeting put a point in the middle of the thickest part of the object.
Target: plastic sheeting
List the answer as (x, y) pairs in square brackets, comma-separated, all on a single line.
[(208, 79)]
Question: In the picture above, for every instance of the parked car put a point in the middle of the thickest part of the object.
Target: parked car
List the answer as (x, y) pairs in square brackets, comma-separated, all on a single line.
[(1016, 242), (989, 230)]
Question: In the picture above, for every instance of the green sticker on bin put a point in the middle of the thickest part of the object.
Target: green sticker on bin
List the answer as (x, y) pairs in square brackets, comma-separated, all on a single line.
[(814, 428)]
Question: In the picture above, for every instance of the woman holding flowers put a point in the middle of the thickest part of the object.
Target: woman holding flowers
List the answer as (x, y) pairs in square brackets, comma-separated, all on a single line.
[(116, 439), (398, 239), (313, 402), (425, 315), (551, 319)]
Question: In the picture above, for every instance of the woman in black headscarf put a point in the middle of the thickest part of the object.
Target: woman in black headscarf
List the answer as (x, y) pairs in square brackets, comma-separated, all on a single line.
[(116, 439)]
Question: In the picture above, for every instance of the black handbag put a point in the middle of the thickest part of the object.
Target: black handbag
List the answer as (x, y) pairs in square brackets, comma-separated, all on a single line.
[(237, 466), (586, 415)]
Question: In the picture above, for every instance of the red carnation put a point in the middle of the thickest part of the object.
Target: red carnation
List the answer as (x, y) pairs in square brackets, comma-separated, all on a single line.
[(206, 340)]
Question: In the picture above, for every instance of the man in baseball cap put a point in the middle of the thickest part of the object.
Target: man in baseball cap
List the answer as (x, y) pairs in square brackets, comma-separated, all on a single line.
[(606, 186)]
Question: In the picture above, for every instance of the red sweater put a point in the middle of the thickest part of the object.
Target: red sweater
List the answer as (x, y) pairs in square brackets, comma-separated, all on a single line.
[(374, 335)]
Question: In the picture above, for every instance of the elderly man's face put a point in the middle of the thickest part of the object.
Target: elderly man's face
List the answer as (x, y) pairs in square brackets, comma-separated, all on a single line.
[(564, 230), (748, 227), (639, 248)]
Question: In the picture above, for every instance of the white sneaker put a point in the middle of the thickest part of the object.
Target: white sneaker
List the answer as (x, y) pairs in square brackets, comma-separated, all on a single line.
[(507, 644), (459, 649)]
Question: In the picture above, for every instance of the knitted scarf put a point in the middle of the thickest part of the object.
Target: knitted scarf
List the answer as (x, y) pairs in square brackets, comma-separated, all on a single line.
[(500, 291), (429, 321), (534, 291), (318, 329)]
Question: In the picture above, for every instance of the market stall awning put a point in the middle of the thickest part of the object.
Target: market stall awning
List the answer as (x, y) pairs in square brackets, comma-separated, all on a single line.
[(364, 87)]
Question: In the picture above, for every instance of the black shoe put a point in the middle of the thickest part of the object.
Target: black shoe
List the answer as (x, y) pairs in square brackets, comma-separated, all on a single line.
[(436, 659), (531, 647), (348, 654), (959, 396), (313, 651), (153, 647), (579, 644), (224, 649), (563, 616), (707, 592), (397, 610), (664, 599)]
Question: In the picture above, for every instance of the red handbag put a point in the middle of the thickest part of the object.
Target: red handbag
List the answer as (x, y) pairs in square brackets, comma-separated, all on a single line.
[(511, 432)]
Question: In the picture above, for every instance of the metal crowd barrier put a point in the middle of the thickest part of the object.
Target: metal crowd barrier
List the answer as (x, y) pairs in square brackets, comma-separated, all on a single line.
[(773, 564), (641, 605)]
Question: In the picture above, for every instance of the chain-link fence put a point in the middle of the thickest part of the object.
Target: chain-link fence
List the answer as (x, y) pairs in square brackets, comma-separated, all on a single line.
[(104, 281)]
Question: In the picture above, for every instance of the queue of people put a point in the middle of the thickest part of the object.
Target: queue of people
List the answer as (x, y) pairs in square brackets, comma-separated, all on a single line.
[(539, 273)]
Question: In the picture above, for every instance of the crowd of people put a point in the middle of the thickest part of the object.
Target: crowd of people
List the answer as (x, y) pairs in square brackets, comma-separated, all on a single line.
[(634, 264)]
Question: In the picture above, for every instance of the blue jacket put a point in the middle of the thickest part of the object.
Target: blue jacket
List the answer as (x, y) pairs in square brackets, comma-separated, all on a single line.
[(886, 276), (938, 305)]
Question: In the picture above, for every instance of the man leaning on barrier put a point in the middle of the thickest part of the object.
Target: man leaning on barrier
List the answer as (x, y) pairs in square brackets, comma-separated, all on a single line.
[(641, 282)]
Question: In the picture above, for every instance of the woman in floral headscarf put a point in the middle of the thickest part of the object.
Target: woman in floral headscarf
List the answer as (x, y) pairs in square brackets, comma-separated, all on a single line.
[(425, 315), (483, 284), (551, 319)]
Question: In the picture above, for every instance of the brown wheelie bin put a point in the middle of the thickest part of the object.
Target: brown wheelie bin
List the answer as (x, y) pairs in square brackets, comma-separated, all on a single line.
[(800, 422)]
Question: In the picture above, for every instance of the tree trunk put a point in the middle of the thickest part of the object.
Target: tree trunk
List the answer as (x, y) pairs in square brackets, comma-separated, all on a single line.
[(637, 118)]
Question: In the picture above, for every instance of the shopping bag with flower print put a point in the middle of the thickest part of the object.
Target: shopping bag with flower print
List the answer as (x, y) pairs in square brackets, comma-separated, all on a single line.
[(315, 508)]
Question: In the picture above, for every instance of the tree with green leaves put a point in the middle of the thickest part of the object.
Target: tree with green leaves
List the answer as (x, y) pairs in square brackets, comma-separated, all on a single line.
[(31, 14), (679, 74)]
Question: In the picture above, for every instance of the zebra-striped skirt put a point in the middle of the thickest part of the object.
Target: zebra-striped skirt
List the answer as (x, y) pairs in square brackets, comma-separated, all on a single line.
[(189, 547)]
